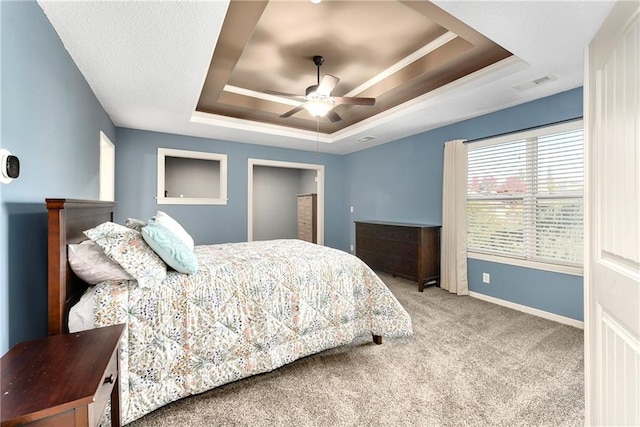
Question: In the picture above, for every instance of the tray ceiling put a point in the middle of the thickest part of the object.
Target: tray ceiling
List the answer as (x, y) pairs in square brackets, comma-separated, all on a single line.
[(393, 51)]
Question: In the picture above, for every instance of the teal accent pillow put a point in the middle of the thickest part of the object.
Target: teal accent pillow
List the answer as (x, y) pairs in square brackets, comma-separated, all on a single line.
[(170, 248)]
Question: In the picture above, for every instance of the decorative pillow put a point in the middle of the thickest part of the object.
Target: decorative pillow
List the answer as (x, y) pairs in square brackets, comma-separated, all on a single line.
[(170, 248), (91, 265), (127, 247), (174, 226), (135, 223)]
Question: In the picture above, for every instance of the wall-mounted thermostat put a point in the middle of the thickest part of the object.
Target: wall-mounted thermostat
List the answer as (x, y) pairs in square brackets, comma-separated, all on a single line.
[(9, 166)]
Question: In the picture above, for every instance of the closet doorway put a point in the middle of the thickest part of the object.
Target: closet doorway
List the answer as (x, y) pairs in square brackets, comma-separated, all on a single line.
[(273, 187)]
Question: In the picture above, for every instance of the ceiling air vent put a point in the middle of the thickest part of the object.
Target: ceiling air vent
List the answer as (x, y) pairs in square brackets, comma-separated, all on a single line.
[(537, 82), (366, 138)]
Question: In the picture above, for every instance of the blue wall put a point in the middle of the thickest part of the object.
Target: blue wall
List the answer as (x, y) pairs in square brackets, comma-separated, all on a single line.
[(136, 176), (553, 292), (402, 181), (51, 120)]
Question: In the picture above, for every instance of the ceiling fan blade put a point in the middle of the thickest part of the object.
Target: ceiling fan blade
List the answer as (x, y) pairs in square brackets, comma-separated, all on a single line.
[(353, 100), (292, 112), (285, 95), (327, 84), (333, 116)]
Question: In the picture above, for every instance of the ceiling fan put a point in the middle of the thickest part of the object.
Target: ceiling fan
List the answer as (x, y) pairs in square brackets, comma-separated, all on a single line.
[(318, 100)]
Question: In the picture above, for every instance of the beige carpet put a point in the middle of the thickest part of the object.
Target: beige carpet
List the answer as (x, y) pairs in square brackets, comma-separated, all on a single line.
[(469, 363)]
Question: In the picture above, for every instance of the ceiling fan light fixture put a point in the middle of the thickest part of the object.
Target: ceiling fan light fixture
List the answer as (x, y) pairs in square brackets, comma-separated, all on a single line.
[(318, 107), (318, 100)]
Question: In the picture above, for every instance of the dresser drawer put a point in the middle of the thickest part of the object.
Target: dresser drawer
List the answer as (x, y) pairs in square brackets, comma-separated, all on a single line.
[(305, 212), (374, 260), (305, 232), (305, 225), (402, 249), (370, 230), (370, 243), (403, 234), (305, 216), (401, 266)]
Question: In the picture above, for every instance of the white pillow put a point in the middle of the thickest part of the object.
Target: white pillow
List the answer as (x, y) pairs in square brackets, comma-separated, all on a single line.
[(81, 317), (173, 226), (91, 265)]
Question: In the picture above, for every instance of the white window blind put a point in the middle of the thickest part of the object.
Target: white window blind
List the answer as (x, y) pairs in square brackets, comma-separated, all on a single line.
[(525, 196)]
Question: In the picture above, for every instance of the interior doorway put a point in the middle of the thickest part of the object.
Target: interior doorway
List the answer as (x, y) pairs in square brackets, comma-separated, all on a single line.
[(271, 197)]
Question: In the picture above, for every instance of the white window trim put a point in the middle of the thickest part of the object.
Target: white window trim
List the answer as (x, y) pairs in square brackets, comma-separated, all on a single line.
[(169, 152), (533, 133), (107, 182), (556, 268)]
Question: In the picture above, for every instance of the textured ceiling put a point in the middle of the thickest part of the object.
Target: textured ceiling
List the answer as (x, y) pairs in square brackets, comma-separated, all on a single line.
[(147, 62)]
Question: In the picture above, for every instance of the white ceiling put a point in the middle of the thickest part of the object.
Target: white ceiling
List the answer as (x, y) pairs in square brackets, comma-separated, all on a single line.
[(119, 46)]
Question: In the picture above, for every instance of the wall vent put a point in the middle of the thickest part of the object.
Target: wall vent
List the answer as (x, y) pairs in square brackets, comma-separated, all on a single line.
[(537, 82)]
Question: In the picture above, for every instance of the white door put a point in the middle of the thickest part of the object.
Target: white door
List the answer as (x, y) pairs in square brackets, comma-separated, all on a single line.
[(612, 261)]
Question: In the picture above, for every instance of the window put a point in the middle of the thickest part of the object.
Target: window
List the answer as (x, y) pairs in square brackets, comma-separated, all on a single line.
[(107, 169), (525, 198), (191, 177)]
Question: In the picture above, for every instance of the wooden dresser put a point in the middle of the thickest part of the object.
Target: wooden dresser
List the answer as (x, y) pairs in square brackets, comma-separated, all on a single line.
[(308, 217), (406, 250)]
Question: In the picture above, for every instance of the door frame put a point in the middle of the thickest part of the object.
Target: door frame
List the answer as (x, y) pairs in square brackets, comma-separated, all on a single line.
[(612, 276), (287, 165)]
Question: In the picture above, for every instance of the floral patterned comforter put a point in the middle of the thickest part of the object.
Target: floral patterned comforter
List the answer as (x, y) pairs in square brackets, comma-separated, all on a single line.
[(250, 308)]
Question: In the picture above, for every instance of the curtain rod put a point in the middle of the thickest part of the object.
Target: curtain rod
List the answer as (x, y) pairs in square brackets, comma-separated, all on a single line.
[(523, 130)]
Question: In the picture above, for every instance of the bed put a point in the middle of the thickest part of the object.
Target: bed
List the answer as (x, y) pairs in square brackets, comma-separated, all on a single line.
[(250, 308)]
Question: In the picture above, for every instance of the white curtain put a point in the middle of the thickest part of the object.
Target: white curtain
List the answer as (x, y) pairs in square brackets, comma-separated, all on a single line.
[(453, 269)]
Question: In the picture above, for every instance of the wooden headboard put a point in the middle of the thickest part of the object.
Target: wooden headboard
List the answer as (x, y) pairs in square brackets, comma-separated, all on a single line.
[(66, 221)]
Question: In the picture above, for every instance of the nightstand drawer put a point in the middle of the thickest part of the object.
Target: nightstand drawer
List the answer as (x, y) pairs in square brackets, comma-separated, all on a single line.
[(102, 396), (63, 419)]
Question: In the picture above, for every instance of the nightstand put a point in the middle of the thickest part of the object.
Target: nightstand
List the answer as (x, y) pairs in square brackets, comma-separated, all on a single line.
[(62, 380)]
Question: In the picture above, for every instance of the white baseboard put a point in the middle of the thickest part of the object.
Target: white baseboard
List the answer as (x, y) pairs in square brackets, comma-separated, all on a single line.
[(530, 310)]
